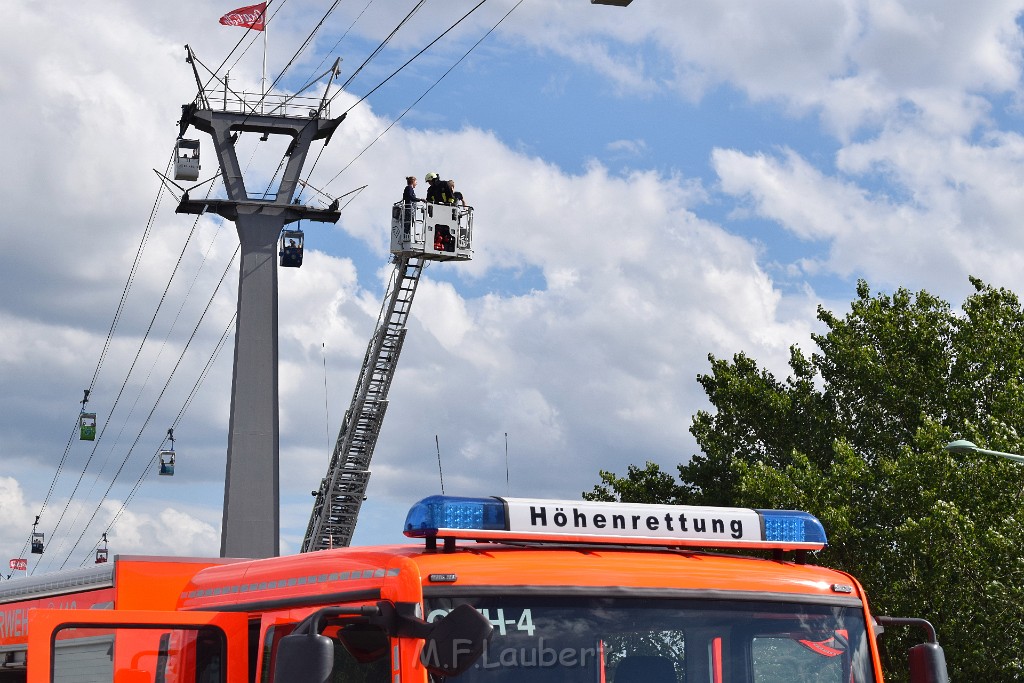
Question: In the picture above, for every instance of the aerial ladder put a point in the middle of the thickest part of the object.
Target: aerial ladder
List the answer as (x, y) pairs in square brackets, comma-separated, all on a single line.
[(420, 232)]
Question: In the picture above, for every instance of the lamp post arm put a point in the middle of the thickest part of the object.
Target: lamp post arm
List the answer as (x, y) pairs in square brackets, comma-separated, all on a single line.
[(962, 446), (1008, 456)]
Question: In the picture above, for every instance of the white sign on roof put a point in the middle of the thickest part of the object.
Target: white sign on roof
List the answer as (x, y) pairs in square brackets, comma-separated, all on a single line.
[(682, 522)]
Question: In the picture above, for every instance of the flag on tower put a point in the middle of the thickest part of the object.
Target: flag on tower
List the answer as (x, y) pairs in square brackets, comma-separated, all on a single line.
[(247, 17)]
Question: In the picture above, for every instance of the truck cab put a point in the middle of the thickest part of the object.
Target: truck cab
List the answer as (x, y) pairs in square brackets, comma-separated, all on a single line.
[(511, 590)]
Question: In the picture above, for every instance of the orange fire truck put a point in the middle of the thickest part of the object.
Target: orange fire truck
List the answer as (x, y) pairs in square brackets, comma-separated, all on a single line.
[(500, 590)]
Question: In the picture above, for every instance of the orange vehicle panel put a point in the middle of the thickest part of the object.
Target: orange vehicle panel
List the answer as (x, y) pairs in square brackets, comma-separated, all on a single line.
[(14, 621), (497, 565), (137, 647), (155, 583), (139, 582), (399, 573)]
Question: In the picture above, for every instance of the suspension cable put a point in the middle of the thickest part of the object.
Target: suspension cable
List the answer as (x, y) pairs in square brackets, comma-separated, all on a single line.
[(297, 54), (338, 42), (142, 429), (181, 413), (133, 271), (383, 43), (145, 382), (172, 326), (124, 384), (424, 94), (393, 74), (410, 60)]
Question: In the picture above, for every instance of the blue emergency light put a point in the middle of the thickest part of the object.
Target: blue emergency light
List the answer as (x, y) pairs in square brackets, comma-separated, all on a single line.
[(498, 519)]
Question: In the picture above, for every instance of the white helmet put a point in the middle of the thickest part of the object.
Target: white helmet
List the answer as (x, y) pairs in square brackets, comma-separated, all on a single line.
[(431, 176)]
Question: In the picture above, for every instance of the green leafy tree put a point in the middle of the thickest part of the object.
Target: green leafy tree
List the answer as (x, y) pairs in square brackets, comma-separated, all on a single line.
[(855, 435)]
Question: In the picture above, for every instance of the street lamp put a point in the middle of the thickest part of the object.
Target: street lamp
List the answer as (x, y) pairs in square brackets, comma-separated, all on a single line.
[(962, 446)]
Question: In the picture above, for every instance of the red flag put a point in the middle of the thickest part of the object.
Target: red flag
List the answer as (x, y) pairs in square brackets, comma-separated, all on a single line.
[(247, 17)]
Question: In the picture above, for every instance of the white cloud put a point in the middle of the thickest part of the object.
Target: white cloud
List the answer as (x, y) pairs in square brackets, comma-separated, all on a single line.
[(628, 147), (171, 531), (851, 60), (16, 512), (946, 206)]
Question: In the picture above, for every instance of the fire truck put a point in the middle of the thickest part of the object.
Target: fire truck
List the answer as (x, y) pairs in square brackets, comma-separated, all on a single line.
[(493, 590)]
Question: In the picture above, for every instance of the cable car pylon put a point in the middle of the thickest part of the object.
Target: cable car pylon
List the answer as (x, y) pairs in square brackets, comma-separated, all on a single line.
[(251, 522)]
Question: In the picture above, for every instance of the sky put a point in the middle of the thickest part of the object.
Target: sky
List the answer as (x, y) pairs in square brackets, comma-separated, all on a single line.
[(651, 184)]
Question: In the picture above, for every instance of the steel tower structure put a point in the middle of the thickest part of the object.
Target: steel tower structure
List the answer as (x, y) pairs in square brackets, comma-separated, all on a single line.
[(251, 518)]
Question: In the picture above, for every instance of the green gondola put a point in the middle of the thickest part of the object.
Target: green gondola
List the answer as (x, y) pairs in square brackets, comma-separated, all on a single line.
[(87, 424)]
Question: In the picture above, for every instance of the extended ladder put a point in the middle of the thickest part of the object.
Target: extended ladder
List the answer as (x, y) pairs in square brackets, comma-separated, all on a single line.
[(420, 232), (342, 491)]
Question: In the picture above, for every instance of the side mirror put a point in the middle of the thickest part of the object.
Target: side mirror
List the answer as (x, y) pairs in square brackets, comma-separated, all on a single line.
[(927, 664), (927, 660), (456, 642), (305, 658)]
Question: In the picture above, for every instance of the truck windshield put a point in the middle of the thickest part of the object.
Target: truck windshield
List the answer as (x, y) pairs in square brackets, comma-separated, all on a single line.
[(629, 640)]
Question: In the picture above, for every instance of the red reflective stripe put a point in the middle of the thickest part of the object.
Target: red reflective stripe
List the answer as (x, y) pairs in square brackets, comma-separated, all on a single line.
[(822, 648), (716, 660)]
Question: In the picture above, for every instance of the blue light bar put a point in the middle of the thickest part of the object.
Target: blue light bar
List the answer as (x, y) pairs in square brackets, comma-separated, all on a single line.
[(792, 526), (614, 523), (432, 514)]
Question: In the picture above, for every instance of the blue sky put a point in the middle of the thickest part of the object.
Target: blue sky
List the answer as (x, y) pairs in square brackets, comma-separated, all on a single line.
[(651, 184)]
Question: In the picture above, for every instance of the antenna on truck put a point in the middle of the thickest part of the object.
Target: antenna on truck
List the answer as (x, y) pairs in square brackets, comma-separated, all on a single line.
[(437, 443)]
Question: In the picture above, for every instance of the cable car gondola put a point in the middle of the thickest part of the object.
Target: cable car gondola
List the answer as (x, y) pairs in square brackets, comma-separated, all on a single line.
[(86, 422), (186, 159), (167, 463), (87, 426), (167, 458), (291, 248), (101, 553), (37, 536)]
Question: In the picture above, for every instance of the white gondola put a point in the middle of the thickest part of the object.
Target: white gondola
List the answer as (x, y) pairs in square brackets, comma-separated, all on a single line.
[(291, 248), (167, 457), (37, 543), (186, 159), (167, 463)]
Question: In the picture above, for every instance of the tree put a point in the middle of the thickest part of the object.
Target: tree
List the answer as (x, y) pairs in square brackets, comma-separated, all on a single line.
[(855, 435)]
